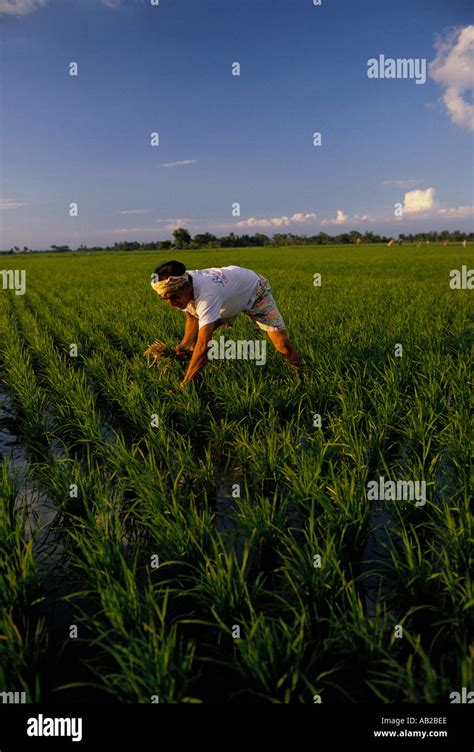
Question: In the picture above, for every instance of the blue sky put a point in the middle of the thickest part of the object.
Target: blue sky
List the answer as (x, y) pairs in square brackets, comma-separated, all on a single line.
[(228, 139)]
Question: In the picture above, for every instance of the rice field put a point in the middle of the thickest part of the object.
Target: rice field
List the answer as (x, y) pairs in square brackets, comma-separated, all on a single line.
[(217, 544)]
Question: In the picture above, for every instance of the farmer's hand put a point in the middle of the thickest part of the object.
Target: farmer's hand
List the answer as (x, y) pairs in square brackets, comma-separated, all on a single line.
[(180, 351)]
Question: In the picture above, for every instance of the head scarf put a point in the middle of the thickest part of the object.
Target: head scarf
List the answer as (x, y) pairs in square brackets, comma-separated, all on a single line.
[(164, 286)]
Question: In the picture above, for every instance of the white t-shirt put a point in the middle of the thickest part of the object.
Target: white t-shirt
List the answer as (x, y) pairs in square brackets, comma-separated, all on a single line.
[(222, 293)]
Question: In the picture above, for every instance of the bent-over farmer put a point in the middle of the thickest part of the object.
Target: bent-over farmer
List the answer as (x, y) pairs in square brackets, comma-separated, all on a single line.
[(214, 297)]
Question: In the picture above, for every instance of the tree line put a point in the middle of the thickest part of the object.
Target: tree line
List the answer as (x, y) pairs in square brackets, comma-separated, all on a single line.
[(182, 239)]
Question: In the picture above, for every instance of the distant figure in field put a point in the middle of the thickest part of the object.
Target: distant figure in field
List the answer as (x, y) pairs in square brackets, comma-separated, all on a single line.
[(214, 297), (464, 243)]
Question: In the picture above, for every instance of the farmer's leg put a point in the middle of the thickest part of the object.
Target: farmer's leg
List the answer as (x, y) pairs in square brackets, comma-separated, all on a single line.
[(267, 317), (280, 340)]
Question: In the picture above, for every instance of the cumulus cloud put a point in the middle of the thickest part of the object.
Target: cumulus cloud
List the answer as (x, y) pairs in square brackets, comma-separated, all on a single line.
[(20, 7), (418, 201), (8, 203), (338, 220), (453, 69), (298, 217), (181, 163), (283, 221)]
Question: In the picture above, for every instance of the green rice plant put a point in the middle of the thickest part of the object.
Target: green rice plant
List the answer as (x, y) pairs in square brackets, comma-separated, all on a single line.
[(23, 638), (414, 680), (147, 462), (277, 661)]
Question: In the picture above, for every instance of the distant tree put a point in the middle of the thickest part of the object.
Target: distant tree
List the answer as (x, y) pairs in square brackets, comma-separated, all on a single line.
[(204, 240), (229, 241), (323, 238), (182, 238), (355, 236)]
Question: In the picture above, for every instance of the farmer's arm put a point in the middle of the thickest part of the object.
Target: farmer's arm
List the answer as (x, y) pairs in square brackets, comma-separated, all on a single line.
[(199, 356), (190, 333)]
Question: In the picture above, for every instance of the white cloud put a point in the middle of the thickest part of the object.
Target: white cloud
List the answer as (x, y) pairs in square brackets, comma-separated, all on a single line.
[(453, 68), (339, 219), (273, 222), (418, 201), (363, 218), (457, 212), (298, 217), (8, 203), (174, 222), (181, 163), (401, 183), (283, 221), (20, 7), (134, 211)]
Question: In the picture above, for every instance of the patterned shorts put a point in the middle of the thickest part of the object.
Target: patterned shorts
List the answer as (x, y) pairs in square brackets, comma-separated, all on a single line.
[(264, 311)]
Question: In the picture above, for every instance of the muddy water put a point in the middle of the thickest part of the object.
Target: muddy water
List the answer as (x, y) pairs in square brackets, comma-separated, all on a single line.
[(376, 564), (41, 512)]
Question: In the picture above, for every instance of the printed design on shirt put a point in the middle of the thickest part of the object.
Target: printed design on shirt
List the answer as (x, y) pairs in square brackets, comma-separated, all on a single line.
[(219, 277)]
